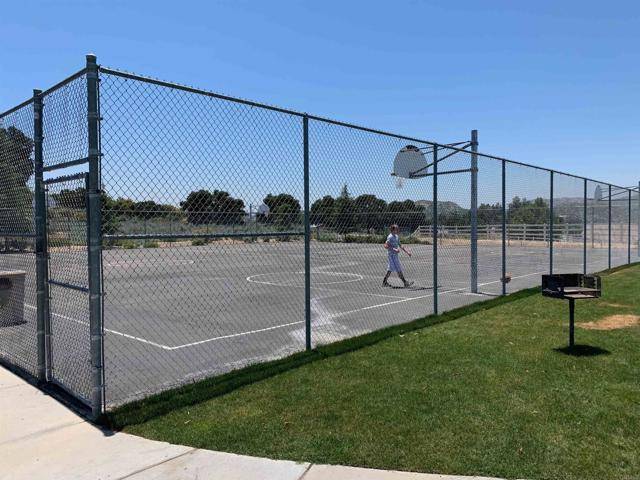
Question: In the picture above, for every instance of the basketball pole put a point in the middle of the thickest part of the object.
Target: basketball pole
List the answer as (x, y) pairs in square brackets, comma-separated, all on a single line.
[(474, 211)]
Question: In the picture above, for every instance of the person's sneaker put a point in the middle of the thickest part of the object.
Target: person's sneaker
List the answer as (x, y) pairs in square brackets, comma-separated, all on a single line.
[(385, 283), (407, 284)]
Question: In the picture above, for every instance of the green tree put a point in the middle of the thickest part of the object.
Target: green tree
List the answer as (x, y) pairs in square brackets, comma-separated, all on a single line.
[(343, 220), (151, 209), (216, 207), (75, 199), (531, 212), (369, 212), (110, 214), (407, 214), (284, 209), (321, 211), (489, 214), (16, 169)]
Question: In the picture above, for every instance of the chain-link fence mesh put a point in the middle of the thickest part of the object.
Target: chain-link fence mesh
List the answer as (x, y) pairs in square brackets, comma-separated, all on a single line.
[(597, 226), (635, 226), (18, 325), (528, 192), (66, 202), (191, 288), (203, 232), (568, 223), (64, 153), (620, 223), (64, 123), (489, 226), (454, 245), (354, 201)]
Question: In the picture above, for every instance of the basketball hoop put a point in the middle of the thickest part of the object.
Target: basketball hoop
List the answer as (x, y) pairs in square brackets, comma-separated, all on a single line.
[(409, 163)]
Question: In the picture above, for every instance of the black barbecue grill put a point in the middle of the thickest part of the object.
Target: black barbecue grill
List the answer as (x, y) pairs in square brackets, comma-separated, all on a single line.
[(572, 287)]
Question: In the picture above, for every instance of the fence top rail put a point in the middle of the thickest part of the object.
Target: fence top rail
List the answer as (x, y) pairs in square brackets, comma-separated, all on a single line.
[(452, 147), (16, 108), (163, 83), (46, 92), (64, 82)]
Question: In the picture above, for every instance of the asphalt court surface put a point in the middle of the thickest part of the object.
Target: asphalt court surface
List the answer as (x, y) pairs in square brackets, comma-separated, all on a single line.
[(177, 314)]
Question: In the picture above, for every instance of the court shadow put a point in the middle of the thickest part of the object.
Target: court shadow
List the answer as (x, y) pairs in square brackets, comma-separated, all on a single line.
[(413, 288), (487, 294), (13, 323), (582, 351)]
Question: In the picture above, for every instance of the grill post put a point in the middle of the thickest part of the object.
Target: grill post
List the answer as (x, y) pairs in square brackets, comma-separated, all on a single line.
[(572, 311), (474, 211), (95, 240), (434, 223)]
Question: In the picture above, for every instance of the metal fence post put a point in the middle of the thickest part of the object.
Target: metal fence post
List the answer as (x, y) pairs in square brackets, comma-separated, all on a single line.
[(95, 240), (40, 215), (593, 231), (551, 225), (504, 227), (584, 229), (434, 210), (609, 229), (307, 236), (474, 211), (629, 231)]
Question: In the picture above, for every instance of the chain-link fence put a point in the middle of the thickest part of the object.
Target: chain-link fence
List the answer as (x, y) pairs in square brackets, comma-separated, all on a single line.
[(18, 322), (155, 234)]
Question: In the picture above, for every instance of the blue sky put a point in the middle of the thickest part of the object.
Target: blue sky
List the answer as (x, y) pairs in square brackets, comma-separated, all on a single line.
[(553, 83)]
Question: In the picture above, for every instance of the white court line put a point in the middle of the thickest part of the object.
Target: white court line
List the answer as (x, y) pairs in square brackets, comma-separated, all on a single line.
[(115, 332), (326, 289), (250, 332), (340, 314), (233, 335), (313, 287), (370, 307), (355, 278), (512, 278)]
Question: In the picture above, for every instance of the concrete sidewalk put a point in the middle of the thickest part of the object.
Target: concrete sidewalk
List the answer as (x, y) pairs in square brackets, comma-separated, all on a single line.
[(42, 439)]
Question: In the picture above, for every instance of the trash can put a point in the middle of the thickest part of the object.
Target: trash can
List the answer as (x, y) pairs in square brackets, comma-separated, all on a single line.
[(11, 298)]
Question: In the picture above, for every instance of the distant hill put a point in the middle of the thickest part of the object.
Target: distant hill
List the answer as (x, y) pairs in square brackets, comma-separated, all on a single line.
[(444, 207)]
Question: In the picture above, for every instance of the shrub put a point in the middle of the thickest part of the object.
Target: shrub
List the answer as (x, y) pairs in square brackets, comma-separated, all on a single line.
[(364, 238), (128, 244)]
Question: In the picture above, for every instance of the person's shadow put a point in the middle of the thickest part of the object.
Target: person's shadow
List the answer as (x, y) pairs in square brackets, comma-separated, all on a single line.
[(582, 351)]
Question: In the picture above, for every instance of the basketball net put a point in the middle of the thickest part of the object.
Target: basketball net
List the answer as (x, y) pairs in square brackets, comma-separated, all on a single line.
[(399, 182)]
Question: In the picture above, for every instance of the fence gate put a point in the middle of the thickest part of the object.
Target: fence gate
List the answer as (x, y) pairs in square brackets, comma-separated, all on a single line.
[(68, 335)]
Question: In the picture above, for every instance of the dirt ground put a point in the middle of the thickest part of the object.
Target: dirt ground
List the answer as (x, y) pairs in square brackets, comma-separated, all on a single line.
[(612, 322)]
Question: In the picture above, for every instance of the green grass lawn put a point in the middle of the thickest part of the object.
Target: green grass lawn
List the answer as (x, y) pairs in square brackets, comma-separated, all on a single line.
[(489, 393)]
